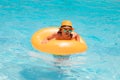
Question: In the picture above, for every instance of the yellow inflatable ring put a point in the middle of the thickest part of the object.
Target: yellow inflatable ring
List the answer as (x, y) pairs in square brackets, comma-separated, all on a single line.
[(56, 47)]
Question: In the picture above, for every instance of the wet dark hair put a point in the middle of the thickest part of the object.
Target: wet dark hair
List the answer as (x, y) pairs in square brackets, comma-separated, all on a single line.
[(66, 26), (60, 31)]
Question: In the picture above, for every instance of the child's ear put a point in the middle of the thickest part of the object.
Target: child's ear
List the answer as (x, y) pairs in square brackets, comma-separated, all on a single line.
[(59, 28)]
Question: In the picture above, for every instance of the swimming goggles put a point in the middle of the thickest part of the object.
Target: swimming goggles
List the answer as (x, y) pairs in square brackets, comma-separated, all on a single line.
[(65, 30)]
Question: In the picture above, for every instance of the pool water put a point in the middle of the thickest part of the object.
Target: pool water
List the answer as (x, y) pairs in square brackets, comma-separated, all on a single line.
[(97, 21)]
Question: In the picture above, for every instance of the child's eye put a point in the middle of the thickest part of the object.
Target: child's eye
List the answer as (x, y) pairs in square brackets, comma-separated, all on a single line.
[(65, 30), (70, 30)]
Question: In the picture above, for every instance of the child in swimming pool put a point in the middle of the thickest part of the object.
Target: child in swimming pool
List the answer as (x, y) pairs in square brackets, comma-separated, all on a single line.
[(64, 33)]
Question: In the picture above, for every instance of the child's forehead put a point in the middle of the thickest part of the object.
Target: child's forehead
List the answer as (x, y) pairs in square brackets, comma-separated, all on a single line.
[(67, 27)]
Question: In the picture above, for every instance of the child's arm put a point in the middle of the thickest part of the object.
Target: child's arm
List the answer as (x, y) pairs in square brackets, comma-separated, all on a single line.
[(48, 38), (76, 37)]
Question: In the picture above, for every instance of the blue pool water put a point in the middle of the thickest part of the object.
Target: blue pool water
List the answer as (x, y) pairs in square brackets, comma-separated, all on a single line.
[(97, 21)]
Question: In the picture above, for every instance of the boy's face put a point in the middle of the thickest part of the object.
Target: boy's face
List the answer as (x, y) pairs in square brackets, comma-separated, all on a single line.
[(66, 30)]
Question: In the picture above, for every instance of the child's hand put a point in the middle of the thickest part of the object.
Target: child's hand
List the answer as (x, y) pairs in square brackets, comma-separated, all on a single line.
[(44, 41)]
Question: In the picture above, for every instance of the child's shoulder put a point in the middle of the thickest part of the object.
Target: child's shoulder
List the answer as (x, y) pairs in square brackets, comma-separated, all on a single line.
[(75, 34)]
